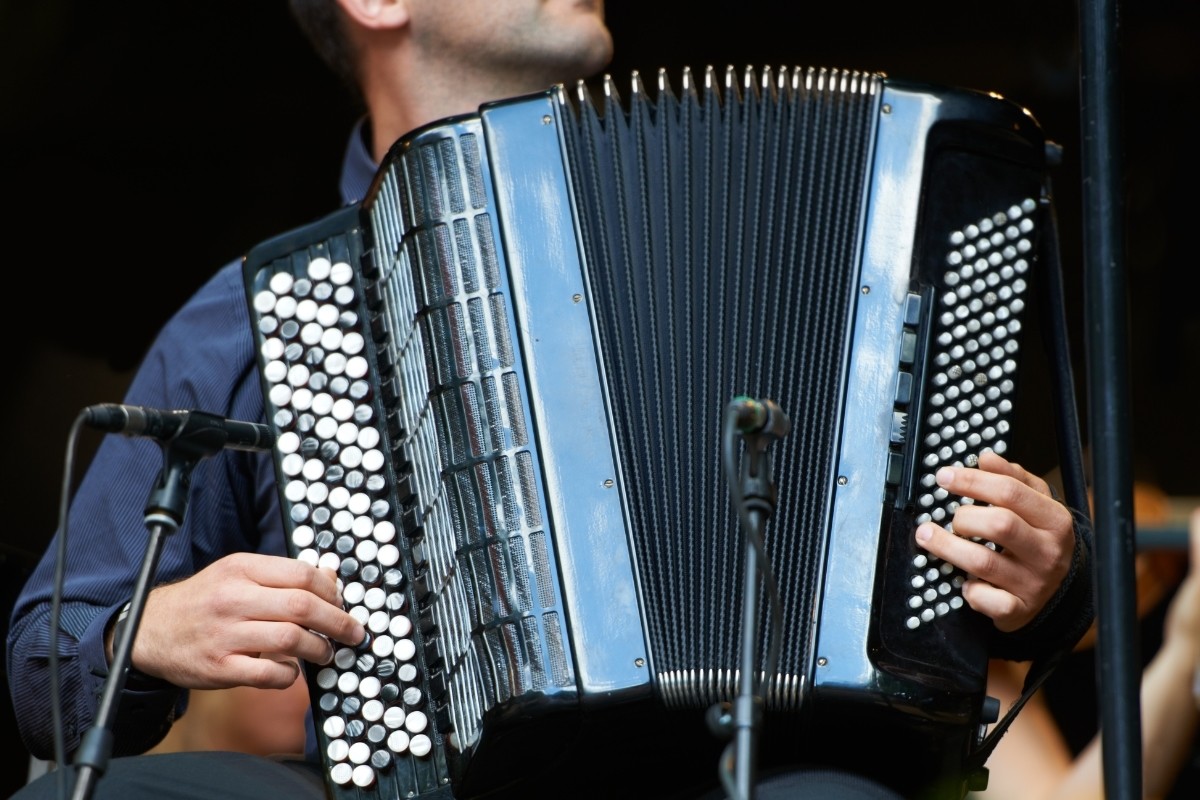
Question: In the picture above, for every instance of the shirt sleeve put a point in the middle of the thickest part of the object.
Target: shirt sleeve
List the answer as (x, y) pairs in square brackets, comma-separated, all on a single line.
[(201, 360)]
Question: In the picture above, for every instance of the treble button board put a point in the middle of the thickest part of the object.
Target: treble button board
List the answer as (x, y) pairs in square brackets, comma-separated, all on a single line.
[(339, 499)]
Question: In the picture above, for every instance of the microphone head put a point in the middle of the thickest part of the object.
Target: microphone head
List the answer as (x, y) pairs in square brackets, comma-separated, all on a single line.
[(110, 417), (760, 417)]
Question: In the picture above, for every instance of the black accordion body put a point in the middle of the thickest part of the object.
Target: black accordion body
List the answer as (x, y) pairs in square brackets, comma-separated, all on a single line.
[(498, 385)]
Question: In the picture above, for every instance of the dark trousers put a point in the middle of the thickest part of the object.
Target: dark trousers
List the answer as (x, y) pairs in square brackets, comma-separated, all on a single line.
[(191, 776), (237, 776)]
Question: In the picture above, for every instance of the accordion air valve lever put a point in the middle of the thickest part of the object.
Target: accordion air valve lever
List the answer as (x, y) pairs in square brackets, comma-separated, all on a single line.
[(498, 384)]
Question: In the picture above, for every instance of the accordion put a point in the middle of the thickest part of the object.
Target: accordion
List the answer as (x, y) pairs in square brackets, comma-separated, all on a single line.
[(498, 385)]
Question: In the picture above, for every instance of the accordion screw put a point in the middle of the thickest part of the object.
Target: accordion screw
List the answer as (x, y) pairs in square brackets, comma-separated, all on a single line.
[(886, 108), (822, 661), (641, 662), (547, 119), (608, 484), (842, 480), (865, 290), (575, 298)]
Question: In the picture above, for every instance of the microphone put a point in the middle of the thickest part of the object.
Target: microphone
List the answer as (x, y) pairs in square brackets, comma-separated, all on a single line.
[(167, 426), (761, 417)]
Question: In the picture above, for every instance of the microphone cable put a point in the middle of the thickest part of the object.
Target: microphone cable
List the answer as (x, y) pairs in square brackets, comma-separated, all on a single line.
[(731, 432), (60, 568)]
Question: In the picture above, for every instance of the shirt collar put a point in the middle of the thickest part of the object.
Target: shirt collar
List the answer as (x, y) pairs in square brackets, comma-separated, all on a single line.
[(358, 168)]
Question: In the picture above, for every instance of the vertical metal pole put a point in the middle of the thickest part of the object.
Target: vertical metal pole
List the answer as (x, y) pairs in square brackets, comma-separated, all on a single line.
[(1118, 662)]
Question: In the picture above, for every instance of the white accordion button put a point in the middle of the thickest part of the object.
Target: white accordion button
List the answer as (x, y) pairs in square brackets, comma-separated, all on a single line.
[(393, 717), (359, 752), (420, 745), (341, 273), (338, 750), (341, 773), (363, 775)]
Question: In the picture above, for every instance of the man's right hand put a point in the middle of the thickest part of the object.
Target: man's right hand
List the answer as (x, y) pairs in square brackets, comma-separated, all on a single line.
[(242, 621)]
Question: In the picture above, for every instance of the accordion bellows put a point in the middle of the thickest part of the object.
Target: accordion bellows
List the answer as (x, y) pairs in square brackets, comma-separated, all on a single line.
[(499, 384)]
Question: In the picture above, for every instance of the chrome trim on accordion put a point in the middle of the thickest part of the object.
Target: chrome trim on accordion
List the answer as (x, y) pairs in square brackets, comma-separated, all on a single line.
[(547, 305)]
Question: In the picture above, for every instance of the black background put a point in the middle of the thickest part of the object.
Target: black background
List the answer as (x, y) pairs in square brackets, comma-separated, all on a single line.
[(144, 145)]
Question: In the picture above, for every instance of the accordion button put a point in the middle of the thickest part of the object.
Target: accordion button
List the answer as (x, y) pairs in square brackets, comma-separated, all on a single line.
[(372, 711), (393, 578), (327, 678), (331, 338), (381, 759), (338, 750), (400, 626), (416, 722), (348, 568), (389, 554), (405, 650), (317, 493), (378, 622), (383, 532), (408, 673), (341, 773), (334, 727), (374, 598), (335, 364), (347, 682), (264, 302), (310, 332), (370, 574), (420, 745), (341, 273), (302, 536), (353, 593), (363, 775), (383, 646), (288, 329), (359, 751), (345, 657), (357, 367), (327, 314), (318, 268)]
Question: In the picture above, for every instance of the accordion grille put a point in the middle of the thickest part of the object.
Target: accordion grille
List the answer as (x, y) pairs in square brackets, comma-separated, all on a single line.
[(721, 228)]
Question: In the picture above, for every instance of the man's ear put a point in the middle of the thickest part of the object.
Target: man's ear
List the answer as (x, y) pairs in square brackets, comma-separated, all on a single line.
[(377, 14)]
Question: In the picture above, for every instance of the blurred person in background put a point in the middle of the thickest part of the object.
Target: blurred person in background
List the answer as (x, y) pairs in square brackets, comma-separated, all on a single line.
[(1035, 759)]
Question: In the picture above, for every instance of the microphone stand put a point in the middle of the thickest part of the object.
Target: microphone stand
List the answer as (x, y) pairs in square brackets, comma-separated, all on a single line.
[(758, 503), (164, 514), (756, 496)]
